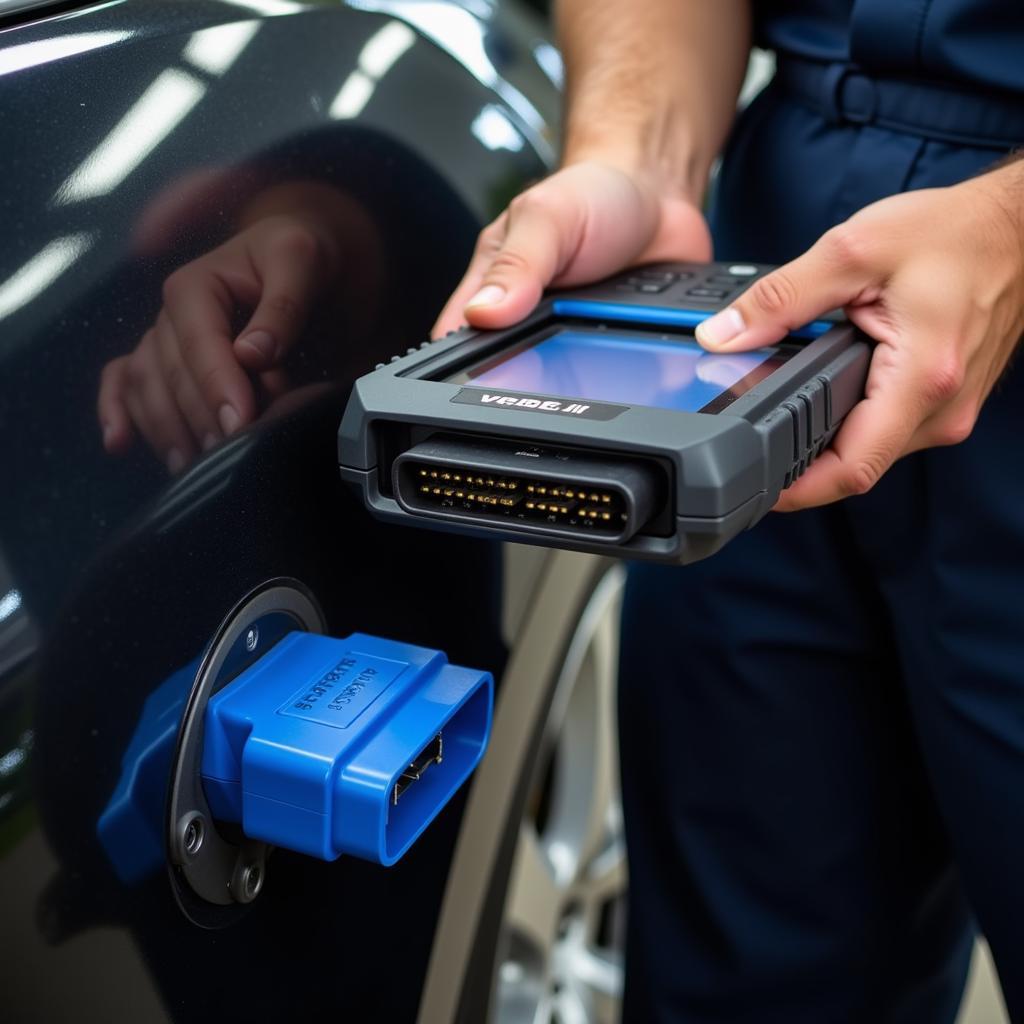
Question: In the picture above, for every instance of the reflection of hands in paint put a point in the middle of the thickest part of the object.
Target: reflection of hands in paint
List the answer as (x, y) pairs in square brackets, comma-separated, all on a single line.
[(194, 378)]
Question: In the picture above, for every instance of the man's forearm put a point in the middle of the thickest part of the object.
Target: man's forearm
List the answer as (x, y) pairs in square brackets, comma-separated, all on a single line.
[(652, 84)]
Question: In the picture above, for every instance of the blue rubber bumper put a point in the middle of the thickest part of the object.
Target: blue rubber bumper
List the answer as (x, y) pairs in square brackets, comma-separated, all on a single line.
[(329, 746)]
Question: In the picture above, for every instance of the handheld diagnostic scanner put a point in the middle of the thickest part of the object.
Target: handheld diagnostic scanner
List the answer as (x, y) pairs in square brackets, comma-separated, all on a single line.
[(598, 423)]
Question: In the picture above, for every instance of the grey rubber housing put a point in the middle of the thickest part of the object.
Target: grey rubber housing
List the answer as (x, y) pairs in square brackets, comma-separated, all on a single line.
[(724, 470)]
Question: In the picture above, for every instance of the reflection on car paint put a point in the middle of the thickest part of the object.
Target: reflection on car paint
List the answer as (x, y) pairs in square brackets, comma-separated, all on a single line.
[(461, 31), (161, 140)]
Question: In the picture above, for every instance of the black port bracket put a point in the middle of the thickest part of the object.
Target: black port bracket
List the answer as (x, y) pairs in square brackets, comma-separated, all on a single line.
[(217, 873)]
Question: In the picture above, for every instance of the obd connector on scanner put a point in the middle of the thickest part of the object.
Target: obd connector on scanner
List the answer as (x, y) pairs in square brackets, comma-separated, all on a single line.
[(529, 487), (329, 746)]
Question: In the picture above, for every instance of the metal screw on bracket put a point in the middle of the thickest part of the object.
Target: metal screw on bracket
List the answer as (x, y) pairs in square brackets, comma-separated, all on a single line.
[(191, 833), (252, 638), (247, 882)]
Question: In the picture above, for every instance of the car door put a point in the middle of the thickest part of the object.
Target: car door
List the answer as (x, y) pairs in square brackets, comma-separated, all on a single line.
[(137, 138)]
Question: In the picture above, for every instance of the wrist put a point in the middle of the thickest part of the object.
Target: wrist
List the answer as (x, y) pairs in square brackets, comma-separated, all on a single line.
[(658, 155), (999, 197)]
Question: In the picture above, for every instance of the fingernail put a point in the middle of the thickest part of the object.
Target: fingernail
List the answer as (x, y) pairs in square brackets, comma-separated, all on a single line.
[(108, 433), (229, 419), (262, 342), (489, 295), (175, 460), (721, 328), (209, 441)]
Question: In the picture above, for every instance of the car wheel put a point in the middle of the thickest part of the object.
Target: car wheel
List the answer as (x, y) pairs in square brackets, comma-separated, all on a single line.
[(560, 954)]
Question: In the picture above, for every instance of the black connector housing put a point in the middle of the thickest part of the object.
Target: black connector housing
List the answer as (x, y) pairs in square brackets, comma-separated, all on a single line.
[(530, 488)]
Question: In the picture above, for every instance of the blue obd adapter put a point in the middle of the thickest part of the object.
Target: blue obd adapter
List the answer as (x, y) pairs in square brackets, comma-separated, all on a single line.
[(328, 746)]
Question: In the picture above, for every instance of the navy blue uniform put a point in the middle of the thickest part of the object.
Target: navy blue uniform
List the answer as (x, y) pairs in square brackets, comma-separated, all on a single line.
[(822, 726)]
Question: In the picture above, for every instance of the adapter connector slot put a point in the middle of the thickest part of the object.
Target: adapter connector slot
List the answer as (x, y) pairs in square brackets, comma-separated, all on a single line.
[(529, 488)]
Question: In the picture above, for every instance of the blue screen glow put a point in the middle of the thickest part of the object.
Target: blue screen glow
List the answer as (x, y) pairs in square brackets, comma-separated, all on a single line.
[(665, 374)]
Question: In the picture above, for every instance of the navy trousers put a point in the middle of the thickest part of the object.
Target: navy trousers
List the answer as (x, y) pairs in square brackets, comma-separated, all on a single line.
[(822, 726)]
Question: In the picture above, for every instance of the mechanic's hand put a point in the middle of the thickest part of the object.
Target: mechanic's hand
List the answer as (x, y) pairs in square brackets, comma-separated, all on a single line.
[(583, 223), (191, 380), (936, 277)]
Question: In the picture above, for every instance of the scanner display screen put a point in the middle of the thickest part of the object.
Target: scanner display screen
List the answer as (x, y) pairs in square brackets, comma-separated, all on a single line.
[(627, 368)]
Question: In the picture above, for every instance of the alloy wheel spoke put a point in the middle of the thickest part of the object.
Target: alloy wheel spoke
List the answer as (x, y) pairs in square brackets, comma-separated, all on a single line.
[(604, 764), (606, 877), (569, 872), (585, 780), (568, 1007), (536, 898), (598, 976)]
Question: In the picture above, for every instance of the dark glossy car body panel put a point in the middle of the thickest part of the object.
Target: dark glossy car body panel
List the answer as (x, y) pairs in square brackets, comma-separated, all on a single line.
[(131, 139)]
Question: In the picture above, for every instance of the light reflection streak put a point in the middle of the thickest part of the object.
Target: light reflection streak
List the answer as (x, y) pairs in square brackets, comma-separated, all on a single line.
[(353, 95), (41, 271), (215, 49), (42, 51), (549, 60), (384, 47), (459, 33), (152, 117), (9, 604), (376, 58), (201, 484), (11, 761), (494, 130), (270, 7)]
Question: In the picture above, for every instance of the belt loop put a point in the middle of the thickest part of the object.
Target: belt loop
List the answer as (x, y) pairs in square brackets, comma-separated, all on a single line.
[(961, 115), (831, 83), (848, 96)]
